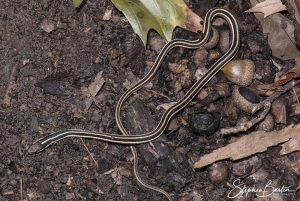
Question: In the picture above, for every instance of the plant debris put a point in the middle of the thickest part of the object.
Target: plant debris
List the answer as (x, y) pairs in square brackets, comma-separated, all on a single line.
[(280, 31), (253, 143), (6, 102), (92, 90), (268, 7)]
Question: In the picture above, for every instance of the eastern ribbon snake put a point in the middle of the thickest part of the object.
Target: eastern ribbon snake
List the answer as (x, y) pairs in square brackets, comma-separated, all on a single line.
[(125, 138)]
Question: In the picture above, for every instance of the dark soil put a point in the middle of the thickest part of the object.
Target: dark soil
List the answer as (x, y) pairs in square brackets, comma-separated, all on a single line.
[(53, 67)]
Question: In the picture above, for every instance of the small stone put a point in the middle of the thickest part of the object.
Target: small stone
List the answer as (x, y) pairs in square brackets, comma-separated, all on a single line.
[(177, 68), (156, 43), (267, 124), (200, 57), (200, 72), (107, 15), (218, 172), (204, 123), (70, 196), (213, 55), (48, 25), (23, 107), (245, 167), (96, 115), (44, 187)]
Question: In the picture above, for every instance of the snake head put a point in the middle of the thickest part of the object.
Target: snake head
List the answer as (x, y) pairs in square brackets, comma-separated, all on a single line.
[(36, 147)]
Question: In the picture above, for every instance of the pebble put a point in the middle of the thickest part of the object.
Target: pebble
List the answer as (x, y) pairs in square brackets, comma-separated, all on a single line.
[(218, 172), (70, 196), (200, 57), (204, 123), (44, 187), (267, 124), (177, 68), (156, 43), (23, 107), (213, 55), (48, 25), (244, 167)]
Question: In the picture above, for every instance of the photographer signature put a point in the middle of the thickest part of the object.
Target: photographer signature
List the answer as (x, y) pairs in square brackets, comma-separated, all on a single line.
[(240, 190)]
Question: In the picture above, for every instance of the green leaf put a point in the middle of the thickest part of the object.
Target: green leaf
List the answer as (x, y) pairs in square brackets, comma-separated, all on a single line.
[(77, 3), (160, 15)]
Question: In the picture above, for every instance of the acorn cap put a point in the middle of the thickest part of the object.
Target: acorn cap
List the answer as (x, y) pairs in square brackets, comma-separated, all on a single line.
[(245, 99)]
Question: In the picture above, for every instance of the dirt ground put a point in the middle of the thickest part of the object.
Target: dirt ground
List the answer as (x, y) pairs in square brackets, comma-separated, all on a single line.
[(52, 69)]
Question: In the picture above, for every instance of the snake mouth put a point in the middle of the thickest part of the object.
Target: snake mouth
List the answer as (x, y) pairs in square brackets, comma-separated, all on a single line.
[(35, 147)]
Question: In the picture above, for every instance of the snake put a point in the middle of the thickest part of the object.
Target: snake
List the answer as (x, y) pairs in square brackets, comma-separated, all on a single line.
[(132, 140)]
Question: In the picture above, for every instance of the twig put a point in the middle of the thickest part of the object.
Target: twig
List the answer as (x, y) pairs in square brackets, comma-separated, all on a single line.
[(247, 125), (266, 104), (275, 95), (96, 164), (10, 87)]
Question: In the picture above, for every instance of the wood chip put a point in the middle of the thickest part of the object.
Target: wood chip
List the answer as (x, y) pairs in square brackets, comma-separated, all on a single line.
[(253, 143), (107, 15), (92, 91), (48, 25), (268, 7)]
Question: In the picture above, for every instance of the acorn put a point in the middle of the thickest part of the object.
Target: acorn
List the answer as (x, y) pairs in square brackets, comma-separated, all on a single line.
[(218, 172), (245, 98), (240, 72), (204, 123)]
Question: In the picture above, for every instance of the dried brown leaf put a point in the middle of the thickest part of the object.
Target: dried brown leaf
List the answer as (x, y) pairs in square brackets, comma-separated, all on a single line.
[(269, 89), (248, 145), (280, 31), (268, 7), (93, 89), (117, 174), (166, 106)]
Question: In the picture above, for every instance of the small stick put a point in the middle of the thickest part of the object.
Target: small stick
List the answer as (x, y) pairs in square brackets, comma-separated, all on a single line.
[(247, 125), (96, 164), (266, 104), (275, 95), (6, 102)]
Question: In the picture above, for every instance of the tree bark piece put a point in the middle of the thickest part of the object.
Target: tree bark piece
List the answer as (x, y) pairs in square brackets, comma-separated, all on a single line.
[(157, 155)]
